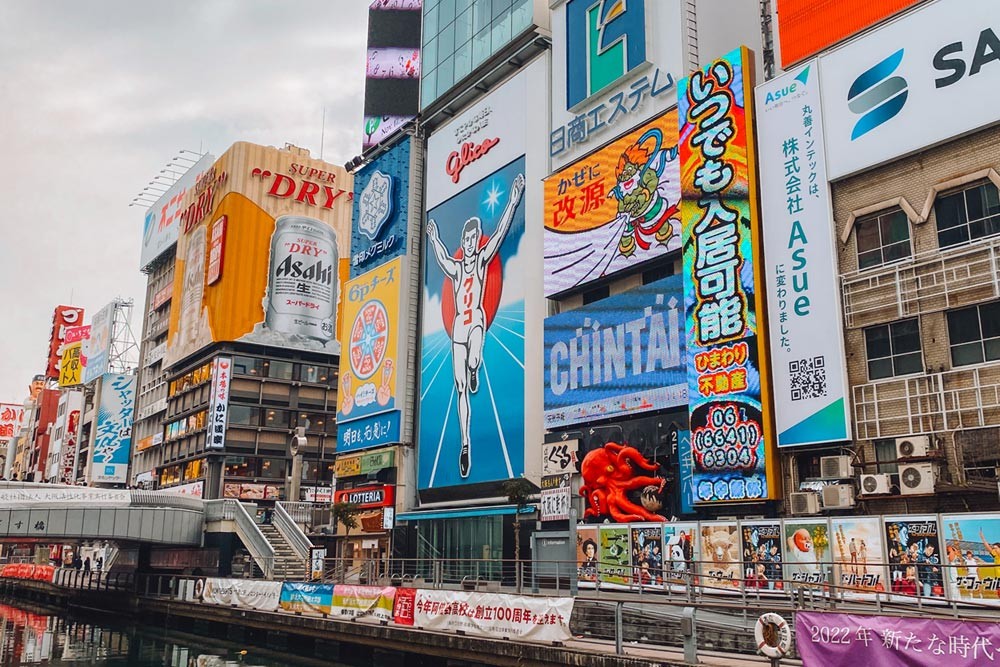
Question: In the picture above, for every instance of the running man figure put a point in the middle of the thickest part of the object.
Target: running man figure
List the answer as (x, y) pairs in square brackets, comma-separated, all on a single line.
[(468, 278)]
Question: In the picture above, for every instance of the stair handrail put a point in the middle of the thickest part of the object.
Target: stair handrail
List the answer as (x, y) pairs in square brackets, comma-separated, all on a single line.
[(297, 540), (250, 534)]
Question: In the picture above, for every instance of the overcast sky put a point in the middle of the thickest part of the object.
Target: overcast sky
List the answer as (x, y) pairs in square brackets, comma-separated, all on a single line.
[(97, 96)]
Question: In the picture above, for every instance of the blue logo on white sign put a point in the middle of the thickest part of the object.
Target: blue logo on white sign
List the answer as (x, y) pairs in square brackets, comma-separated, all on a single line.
[(375, 206), (877, 95), (605, 40)]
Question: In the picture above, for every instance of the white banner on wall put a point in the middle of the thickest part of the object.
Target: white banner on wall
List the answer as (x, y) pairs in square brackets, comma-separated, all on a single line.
[(494, 615), (243, 593), (806, 329), (218, 406), (925, 78)]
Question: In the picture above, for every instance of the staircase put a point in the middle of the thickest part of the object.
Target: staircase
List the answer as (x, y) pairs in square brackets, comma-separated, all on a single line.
[(288, 565)]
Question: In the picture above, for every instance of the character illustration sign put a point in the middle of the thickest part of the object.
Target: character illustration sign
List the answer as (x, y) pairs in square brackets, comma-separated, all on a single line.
[(807, 551), (915, 559), (973, 555), (612, 476), (614, 209), (472, 375)]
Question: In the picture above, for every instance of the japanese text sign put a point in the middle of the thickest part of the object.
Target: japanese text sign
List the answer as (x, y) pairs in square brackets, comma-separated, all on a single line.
[(113, 440), (381, 200), (727, 364), (63, 318), (218, 405), (71, 365)]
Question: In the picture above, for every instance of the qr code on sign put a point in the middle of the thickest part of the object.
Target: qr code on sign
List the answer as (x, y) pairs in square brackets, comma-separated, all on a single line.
[(807, 378)]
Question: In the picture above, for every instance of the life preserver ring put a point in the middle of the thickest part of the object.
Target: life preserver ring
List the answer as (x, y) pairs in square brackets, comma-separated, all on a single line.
[(784, 636), (199, 589)]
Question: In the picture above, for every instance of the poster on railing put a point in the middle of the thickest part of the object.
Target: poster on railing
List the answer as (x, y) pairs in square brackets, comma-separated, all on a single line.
[(586, 554), (720, 555), (849, 639), (858, 564), (306, 598), (28, 571), (647, 554), (679, 539), (972, 544), (352, 601), (763, 556), (807, 552), (493, 615), (402, 609), (615, 566), (915, 560), (243, 593)]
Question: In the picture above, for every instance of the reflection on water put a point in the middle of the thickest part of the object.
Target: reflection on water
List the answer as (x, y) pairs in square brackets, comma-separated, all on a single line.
[(31, 636)]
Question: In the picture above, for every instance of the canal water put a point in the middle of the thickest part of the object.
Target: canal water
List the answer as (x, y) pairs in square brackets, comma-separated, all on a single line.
[(32, 635)]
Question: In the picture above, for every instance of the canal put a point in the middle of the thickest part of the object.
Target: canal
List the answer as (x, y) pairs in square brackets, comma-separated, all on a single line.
[(38, 635)]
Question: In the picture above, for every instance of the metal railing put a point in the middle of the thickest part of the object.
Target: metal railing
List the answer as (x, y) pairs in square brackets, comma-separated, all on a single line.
[(220, 510), (300, 512), (290, 530), (93, 580), (261, 551)]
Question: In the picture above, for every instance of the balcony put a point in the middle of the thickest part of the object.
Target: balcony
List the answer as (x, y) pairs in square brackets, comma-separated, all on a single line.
[(930, 282)]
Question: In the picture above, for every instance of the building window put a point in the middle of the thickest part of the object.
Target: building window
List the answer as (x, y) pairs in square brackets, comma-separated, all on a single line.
[(280, 370), (885, 456), (893, 349), (883, 239), (314, 374), (240, 466), (277, 418), (665, 270), (968, 214), (596, 294), (247, 366), (272, 468), (974, 334), (244, 415)]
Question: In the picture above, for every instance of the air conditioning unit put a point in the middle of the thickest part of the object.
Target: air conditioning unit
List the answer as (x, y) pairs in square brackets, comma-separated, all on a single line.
[(917, 478), (804, 502), (878, 484), (912, 447), (838, 496), (835, 467)]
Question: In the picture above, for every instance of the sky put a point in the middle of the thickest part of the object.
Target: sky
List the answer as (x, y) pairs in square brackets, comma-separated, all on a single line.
[(98, 96)]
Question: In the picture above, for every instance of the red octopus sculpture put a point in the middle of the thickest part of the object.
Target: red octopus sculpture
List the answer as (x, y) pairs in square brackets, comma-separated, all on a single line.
[(608, 476)]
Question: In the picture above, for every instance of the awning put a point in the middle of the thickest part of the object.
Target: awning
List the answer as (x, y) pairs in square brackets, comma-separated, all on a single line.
[(459, 513)]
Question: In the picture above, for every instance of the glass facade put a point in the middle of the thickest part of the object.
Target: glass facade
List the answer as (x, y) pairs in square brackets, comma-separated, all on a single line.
[(476, 543), (460, 35)]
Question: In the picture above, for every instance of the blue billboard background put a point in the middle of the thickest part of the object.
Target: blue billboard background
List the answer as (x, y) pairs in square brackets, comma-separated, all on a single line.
[(113, 440), (497, 407), (621, 355), (380, 214)]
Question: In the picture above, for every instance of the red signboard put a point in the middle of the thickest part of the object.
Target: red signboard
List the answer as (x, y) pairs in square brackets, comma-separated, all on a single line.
[(163, 295), (369, 496), (63, 318)]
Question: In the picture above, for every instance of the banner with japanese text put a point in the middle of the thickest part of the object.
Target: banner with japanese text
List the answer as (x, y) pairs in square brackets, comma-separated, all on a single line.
[(494, 615), (352, 601), (243, 593), (728, 392), (304, 597), (113, 440)]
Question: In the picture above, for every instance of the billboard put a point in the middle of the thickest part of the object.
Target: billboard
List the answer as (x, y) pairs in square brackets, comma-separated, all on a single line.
[(615, 565), (98, 345), (615, 209), (614, 65), (806, 27), (858, 564), (472, 379), (63, 318), (803, 286), (807, 551), (372, 346), (586, 553), (928, 69), (727, 374), (680, 555), (11, 415), (162, 221), (618, 356), (71, 366), (915, 557), (763, 555), (218, 403), (972, 548), (381, 208), (392, 71), (720, 555), (277, 265), (112, 449)]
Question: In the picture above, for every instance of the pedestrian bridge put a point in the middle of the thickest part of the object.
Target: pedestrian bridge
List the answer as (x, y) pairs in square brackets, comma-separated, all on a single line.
[(54, 511)]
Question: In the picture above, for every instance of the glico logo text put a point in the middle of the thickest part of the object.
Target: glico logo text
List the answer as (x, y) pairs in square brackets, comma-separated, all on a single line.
[(605, 40)]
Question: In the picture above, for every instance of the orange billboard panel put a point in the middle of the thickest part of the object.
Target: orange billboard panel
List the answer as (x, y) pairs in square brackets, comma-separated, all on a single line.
[(806, 27)]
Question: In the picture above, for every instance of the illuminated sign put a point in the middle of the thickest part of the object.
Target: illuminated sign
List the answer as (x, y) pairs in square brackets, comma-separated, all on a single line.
[(368, 496)]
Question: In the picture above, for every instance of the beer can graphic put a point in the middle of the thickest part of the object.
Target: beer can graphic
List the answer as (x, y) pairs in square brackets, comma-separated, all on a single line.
[(301, 297), (194, 288)]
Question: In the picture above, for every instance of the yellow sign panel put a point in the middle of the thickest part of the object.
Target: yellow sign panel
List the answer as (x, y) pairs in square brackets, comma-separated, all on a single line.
[(71, 366), (347, 466), (370, 339)]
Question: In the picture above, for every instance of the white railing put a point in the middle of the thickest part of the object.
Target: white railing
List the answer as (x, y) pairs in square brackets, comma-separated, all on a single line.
[(300, 512), (290, 530)]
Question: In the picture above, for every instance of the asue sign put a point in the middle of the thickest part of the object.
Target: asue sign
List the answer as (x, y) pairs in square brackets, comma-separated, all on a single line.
[(920, 80)]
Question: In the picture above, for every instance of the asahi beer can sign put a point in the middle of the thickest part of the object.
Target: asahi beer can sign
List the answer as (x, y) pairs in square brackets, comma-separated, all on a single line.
[(301, 298)]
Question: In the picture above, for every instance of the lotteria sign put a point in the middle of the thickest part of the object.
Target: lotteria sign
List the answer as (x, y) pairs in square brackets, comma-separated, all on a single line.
[(920, 80), (368, 496)]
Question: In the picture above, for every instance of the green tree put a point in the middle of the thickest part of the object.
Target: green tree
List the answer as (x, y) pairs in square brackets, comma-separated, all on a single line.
[(518, 491), (345, 513)]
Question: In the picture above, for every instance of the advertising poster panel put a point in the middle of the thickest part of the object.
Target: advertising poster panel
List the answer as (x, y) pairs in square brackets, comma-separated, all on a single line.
[(244, 593), (858, 563), (492, 615), (914, 555), (615, 209), (63, 318), (392, 72), (278, 264), (586, 553), (807, 551), (927, 69), (647, 554), (618, 356), (11, 415), (98, 345), (615, 65), (728, 394), (763, 555), (353, 601), (372, 344), (162, 221), (113, 430), (306, 598), (472, 351), (972, 547), (71, 366), (614, 566), (381, 208), (679, 552), (719, 559), (803, 280)]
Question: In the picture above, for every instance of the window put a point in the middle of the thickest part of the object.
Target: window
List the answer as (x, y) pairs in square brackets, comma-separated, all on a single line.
[(658, 273), (893, 349), (244, 415), (968, 215), (247, 366), (313, 373), (596, 294), (272, 468), (885, 456), (240, 466), (974, 334), (194, 469), (883, 239), (280, 370), (277, 418)]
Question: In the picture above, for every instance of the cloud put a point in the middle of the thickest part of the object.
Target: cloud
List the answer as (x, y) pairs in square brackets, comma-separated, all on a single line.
[(99, 95)]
